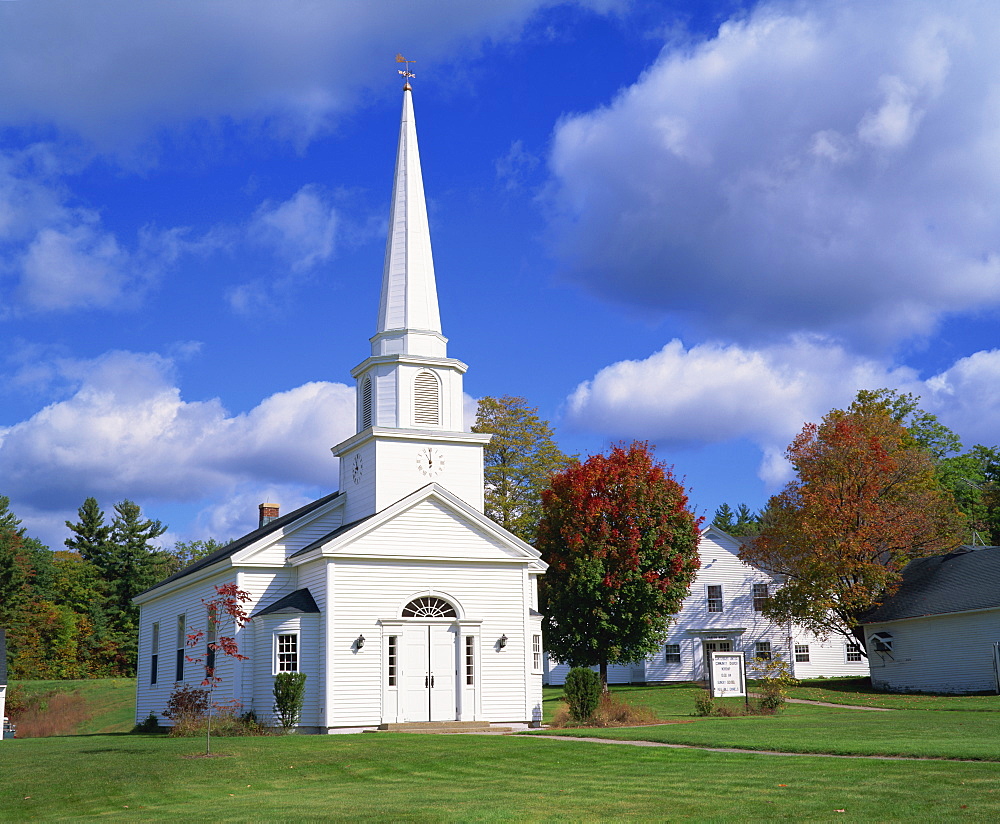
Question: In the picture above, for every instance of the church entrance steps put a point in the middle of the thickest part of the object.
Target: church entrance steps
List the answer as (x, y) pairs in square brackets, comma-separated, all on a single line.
[(442, 727)]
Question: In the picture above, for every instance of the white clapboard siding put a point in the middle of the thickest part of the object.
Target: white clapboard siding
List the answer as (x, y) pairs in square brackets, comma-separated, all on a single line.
[(265, 630), (938, 653), (187, 602), (827, 657), (429, 530), (293, 541), (366, 591)]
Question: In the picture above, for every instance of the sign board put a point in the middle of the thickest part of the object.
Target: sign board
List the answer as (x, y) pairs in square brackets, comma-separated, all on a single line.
[(727, 675)]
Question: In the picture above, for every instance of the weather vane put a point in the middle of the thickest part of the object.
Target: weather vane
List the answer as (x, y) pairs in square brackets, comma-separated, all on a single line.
[(405, 72)]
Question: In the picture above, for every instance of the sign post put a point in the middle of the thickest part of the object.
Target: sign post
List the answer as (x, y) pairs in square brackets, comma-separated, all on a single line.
[(727, 675)]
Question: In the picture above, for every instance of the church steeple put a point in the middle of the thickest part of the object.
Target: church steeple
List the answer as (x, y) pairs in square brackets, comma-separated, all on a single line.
[(408, 317), (410, 404)]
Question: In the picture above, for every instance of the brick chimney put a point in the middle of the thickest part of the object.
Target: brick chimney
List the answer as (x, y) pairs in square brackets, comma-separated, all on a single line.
[(268, 513)]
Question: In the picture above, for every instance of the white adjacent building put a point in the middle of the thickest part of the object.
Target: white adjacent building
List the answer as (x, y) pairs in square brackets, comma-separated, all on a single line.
[(940, 631), (395, 595), (723, 613)]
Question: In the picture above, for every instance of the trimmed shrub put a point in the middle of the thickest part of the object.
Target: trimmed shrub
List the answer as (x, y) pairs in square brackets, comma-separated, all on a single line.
[(149, 725), (582, 692), (289, 695)]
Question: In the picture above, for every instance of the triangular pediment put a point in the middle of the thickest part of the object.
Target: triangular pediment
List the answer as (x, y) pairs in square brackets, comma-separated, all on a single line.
[(430, 524)]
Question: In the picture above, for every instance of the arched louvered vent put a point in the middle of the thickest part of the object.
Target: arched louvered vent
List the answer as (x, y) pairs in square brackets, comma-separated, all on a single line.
[(426, 400), (429, 607), (366, 402)]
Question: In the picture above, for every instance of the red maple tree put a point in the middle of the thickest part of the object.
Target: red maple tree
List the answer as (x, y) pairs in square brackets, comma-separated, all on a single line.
[(622, 549)]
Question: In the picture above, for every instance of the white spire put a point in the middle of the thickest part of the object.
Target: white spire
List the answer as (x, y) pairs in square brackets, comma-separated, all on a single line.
[(408, 303)]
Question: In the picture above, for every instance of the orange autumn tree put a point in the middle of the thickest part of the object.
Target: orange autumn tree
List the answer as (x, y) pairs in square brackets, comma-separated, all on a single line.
[(622, 549), (865, 503)]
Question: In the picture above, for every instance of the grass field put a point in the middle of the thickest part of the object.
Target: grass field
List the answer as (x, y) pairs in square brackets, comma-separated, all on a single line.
[(520, 778), (469, 778), (858, 691)]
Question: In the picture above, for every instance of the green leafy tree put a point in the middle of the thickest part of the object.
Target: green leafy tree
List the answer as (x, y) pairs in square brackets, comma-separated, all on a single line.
[(739, 523), (519, 462), (972, 478), (622, 549), (185, 553), (866, 502)]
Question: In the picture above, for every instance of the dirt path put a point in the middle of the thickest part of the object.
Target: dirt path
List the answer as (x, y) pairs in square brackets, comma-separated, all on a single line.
[(745, 752)]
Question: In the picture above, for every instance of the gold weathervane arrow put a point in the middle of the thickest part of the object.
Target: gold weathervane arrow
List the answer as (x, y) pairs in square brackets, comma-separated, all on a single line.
[(405, 72)]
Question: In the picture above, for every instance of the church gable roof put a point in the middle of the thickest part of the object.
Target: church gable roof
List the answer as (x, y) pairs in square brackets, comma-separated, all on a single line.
[(274, 528), (960, 581), (430, 522)]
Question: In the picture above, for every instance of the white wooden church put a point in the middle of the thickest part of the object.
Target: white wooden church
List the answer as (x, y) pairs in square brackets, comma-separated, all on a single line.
[(396, 596)]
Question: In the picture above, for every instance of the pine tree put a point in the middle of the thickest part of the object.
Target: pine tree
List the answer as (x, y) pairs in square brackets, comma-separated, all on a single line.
[(90, 535)]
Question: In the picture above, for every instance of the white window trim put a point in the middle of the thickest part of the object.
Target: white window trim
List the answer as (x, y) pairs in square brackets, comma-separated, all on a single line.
[(858, 651), (274, 650), (796, 654), (537, 653), (666, 652), (753, 596), (708, 600)]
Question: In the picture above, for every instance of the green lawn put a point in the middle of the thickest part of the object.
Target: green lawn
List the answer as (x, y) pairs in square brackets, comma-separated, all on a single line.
[(110, 701), (858, 691), (969, 730), (468, 778)]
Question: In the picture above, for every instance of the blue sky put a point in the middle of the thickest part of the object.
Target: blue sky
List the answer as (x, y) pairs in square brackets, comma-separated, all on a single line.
[(700, 224)]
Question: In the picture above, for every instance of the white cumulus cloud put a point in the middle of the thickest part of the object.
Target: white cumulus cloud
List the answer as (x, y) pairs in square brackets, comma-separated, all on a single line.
[(714, 393), (827, 167), (126, 431)]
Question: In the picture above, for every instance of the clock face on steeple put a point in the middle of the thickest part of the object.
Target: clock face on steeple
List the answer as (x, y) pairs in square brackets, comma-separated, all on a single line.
[(430, 461), (358, 469)]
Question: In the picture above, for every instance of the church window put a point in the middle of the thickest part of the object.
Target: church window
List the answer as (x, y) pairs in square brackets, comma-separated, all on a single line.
[(179, 667), (429, 607), (536, 653), (714, 599), (426, 400), (366, 402), (762, 650), (470, 659), (155, 653), (286, 653), (392, 660), (853, 653), (801, 653), (760, 596), (672, 653), (210, 640)]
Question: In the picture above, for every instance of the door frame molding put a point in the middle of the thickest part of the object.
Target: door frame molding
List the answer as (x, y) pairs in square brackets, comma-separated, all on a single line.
[(468, 698)]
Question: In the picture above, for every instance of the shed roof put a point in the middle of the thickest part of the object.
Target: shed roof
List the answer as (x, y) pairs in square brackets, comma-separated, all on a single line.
[(966, 579), (299, 602)]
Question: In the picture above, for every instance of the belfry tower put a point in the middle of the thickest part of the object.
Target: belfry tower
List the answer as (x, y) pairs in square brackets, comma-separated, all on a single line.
[(410, 422)]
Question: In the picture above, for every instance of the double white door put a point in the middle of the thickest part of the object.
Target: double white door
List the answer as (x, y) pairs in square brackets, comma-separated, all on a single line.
[(430, 672)]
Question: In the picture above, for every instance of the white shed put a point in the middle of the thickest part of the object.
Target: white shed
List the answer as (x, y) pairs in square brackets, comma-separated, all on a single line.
[(939, 631)]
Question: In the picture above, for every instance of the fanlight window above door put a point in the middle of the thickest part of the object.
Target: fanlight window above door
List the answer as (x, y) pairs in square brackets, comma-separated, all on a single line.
[(429, 607)]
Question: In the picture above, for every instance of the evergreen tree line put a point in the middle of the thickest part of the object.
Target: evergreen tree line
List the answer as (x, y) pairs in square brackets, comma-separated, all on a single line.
[(69, 613)]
